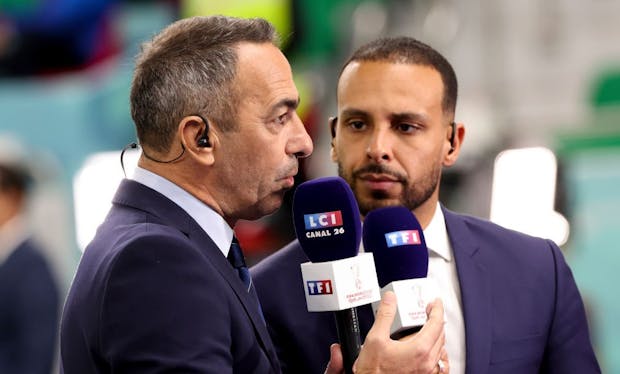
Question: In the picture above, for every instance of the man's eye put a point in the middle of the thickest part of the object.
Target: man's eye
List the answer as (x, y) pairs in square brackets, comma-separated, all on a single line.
[(281, 120), (406, 128), (357, 125)]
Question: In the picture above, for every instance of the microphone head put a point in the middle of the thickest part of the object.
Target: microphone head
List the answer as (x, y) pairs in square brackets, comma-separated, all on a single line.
[(395, 238), (327, 219)]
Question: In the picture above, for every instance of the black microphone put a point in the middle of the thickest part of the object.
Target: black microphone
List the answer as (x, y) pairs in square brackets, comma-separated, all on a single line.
[(395, 237), (328, 227)]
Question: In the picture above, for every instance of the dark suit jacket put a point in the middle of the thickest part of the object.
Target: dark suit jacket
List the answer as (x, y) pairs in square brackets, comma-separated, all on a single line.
[(153, 294), (29, 301), (522, 310)]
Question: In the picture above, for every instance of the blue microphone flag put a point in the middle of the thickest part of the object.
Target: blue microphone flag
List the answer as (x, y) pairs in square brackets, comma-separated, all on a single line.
[(327, 219), (395, 238)]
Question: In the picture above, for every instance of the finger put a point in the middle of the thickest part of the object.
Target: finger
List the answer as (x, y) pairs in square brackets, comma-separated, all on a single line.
[(442, 365), (438, 347), (444, 354), (335, 364), (429, 306), (434, 310), (385, 315), (431, 336), (433, 328), (445, 360), (440, 368)]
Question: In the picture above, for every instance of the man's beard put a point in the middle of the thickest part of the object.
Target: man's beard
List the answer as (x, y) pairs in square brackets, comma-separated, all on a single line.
[(412, 196)]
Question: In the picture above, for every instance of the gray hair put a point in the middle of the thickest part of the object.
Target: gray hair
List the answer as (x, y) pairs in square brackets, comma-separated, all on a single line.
[(190, 68)]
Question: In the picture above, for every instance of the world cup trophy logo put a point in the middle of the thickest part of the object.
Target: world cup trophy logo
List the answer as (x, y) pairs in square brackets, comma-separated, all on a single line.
[(355, 270), (416, 290)]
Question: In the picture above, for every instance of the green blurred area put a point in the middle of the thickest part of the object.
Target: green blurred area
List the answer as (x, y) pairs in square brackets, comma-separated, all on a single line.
[(591, 162)]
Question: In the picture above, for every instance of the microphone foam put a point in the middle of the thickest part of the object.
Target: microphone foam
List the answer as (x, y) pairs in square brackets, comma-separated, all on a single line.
[(395, 238), (327, 219)]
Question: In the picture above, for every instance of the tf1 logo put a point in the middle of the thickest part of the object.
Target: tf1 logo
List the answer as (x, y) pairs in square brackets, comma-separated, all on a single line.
[(404, 237), (323, 220), (320, 287)]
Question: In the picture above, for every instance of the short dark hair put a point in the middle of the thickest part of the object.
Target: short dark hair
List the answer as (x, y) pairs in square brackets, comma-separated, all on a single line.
[(407, 50), (190, 68)]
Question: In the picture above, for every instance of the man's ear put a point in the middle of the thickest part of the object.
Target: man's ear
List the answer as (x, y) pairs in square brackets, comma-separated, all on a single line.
[(454, 141), (333, 121), (333, 153), (198, 138)]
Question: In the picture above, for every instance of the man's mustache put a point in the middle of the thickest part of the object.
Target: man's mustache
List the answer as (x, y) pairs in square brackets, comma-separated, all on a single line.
[(379, 169)]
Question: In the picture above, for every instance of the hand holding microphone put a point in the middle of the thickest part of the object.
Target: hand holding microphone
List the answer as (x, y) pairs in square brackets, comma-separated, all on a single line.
[(395, 238), (418, 353), (328, 227)]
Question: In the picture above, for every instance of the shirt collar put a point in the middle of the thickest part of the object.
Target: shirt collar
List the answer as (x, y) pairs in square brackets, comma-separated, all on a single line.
[(212, 223), (436, 235)]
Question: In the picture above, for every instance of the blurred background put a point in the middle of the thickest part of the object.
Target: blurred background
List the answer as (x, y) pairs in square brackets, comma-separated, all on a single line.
[(539, 96)]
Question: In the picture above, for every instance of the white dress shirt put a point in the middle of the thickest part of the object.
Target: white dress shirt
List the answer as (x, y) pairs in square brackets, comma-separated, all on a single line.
[(442, 270), (212, 223)]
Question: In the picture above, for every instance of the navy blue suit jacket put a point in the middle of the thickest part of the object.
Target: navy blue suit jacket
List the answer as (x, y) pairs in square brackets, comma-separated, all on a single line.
[(29, 301), (521, 307), (154, 294)]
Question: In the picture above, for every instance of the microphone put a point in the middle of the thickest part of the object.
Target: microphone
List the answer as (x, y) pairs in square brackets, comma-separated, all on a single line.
[(395, 237), (328, 226)]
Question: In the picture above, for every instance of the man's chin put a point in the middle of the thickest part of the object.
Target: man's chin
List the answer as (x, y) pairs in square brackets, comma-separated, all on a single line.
[(367, 205), (266, 207)]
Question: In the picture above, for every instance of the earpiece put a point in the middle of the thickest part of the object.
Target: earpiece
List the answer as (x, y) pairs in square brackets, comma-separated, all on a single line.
[(203, 141), (452, 136)]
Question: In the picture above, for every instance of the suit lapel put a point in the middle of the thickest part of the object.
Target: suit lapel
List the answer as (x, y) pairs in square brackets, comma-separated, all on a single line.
[(249, 303), (475, 294), (140, 197)]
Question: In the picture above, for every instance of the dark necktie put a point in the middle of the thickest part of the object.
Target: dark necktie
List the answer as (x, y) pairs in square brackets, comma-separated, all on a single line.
[(235, 257)]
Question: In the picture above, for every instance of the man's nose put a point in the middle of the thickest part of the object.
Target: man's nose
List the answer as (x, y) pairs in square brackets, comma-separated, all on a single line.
[(379, 148)]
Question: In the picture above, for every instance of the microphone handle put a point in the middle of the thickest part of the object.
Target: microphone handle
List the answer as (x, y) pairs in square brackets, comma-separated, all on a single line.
[(348, 327)]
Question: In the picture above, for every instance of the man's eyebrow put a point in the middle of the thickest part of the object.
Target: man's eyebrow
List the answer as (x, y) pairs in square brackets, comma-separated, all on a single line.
[(353, 113), (409, 116), (288, 103)]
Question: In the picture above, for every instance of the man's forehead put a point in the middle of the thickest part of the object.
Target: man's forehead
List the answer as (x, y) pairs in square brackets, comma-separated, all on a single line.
[(261, 59), (355, 67), (264, 73), (384, 83)]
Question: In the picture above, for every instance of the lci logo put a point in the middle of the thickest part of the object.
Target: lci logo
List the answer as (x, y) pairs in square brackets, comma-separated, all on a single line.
[(404, 237), (320, 287), (323, 220)]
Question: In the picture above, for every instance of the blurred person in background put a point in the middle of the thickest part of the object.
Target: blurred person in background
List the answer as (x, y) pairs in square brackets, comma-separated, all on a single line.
[(54, 36), (29, 297), (512, 305)]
